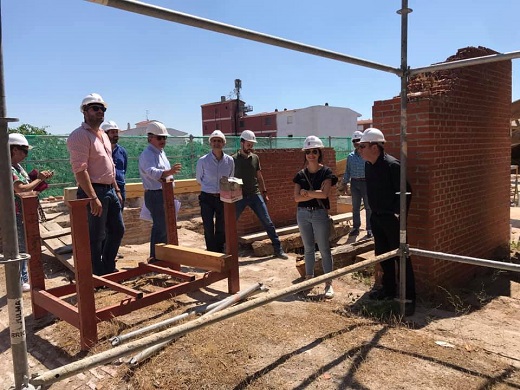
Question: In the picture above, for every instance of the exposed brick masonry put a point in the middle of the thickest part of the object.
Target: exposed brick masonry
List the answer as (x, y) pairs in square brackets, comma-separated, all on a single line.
[(458, 164)]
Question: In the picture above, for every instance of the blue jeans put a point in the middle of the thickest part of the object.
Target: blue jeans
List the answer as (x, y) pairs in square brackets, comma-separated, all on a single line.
[(123, 195), (257, 204), (212, 213), (358, 189), (314, 228), (106, 231), (153, 200), (24, 276)]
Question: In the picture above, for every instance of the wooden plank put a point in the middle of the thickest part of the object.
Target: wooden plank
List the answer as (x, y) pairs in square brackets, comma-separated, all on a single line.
[(191, 257), (259, 236), (136, 190), (54, 233)]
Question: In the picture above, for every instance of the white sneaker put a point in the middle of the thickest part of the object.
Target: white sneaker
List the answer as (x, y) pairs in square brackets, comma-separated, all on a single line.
[(26, 287), (329, 291)]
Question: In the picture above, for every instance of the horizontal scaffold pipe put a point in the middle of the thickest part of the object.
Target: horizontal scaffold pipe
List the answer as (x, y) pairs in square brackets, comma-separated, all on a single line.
[(466, 62), (74, 368), (466, 259), (207, 24)]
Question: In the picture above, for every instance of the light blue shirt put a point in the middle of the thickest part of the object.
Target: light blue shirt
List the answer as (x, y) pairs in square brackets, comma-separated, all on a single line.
[(210, 170), (355, 167), (152, 163)]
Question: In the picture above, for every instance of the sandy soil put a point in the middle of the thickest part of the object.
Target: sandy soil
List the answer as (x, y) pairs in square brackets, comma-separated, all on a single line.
[(470, 342)]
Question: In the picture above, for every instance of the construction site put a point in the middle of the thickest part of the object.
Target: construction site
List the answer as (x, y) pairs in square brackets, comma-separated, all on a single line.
[(196, 319)]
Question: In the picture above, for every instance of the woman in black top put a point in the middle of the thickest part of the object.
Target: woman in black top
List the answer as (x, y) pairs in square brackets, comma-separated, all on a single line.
[(311, 191)]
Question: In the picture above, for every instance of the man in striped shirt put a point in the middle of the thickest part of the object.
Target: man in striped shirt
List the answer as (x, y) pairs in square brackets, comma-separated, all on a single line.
[(355, 178), (91, 159)]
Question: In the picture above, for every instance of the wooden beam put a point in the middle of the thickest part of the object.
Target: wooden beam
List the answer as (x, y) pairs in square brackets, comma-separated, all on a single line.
[(54, 233), (259, 236), (136, 190), (192, 257)]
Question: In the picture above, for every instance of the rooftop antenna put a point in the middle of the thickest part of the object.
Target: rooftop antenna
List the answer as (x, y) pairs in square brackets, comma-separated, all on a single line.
[(147, 115)]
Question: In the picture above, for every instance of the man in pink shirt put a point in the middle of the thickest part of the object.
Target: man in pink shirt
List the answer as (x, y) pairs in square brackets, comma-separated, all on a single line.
[(91, 159)]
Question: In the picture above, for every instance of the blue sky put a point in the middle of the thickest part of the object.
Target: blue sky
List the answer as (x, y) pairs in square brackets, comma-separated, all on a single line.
[(58, 51)]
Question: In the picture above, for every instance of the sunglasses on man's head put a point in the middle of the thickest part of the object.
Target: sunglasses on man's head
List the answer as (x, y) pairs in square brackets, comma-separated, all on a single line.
[(313, 151), (97, 107)]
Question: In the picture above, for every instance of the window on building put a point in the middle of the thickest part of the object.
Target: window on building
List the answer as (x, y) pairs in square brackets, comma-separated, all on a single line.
[(289, 119), (241, 123), (267, 121)]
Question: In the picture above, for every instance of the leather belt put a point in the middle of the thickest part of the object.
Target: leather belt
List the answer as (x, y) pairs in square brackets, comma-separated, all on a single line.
[(217, 195), (99, 185), (311, 208)]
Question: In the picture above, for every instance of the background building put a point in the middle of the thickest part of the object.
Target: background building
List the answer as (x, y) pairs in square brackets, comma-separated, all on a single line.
[(230, 117)]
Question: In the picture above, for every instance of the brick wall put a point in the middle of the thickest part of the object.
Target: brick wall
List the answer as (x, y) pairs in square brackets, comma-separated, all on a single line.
[(458, 164), (279, 168)]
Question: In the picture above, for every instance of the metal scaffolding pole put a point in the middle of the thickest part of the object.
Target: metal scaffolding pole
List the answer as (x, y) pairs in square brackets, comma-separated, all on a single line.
[(404, 11), (73, 368), (11, 258), (207, 24), (466, 62), (466, 259)]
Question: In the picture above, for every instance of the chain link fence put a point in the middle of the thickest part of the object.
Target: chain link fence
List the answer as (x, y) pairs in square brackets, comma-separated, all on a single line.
[(50, 152)]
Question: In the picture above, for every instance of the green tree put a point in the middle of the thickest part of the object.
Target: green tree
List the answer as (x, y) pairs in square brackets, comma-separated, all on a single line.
[(28, 129)]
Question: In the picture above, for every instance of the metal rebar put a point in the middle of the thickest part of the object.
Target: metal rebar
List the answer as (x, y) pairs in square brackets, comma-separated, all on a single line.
[(207, 24), (117, 340), (225, 303), (71, 369), (466, 259)]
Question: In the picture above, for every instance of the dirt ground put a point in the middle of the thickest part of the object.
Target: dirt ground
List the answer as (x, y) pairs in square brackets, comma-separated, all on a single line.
[(469, 341)]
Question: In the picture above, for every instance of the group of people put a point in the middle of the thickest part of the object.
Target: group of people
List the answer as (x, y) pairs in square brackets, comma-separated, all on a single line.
[(99, 165), (372, 176), (245, 165)]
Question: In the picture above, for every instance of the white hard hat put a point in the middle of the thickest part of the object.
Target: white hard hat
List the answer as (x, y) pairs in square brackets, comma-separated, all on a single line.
[(90, 99), (18, 139), (248, 135), (217, 134), (110, 125), (372, 135), (357, 135), (312, 142), (156, 128)]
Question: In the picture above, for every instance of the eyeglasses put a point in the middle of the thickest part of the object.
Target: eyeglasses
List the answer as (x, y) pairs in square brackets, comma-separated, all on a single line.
[(217, 140), (25, 150), (161, 137), (363, 146), (313, 151), (98, 107)]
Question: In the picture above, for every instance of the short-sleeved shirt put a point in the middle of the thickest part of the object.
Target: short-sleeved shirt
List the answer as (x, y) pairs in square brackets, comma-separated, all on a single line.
[(90, 153), (246, 168), (19, 174), (316, 180)]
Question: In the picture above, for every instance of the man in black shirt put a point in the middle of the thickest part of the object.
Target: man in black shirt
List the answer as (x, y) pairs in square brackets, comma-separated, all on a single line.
[(383, 176)]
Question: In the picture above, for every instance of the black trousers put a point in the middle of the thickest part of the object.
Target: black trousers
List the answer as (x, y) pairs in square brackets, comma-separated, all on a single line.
[(212, 213), (385, 228)]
